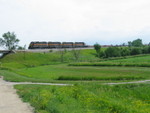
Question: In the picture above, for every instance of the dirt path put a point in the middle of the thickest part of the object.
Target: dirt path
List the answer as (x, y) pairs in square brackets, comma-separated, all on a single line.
[(9, 100), (52, 84)]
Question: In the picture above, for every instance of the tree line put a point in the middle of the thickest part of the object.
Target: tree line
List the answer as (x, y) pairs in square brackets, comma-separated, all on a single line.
[(134, 47)]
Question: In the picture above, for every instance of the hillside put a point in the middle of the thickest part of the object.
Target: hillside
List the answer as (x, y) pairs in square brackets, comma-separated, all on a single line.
[(28, 59)]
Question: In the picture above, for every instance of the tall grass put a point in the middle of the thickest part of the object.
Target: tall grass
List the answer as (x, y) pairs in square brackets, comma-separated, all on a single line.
[(87, 98)]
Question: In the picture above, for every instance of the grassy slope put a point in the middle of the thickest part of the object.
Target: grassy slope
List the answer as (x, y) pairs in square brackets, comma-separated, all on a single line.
[(87, 98), (21, 60)]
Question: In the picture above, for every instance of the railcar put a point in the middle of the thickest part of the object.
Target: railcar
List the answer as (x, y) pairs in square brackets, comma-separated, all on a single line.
[(79, 44), (67, 45), (54, 45), (43, 45)]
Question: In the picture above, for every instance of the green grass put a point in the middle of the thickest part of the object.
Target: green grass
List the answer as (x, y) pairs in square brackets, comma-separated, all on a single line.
[(87, 95), (61, 72), (136, 61), (87, 98), (21, 60)]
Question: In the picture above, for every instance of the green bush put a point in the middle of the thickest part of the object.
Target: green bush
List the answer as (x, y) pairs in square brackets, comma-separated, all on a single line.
[(136, 51), (113, 52)]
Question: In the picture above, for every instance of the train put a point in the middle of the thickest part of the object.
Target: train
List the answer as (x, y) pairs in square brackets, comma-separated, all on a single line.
[(49, 45)]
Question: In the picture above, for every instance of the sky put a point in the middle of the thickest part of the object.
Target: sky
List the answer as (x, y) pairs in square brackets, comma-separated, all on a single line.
[(102, 21)]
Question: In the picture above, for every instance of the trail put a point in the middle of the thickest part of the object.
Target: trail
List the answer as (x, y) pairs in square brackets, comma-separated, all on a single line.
[(9, 100), (52, 84)]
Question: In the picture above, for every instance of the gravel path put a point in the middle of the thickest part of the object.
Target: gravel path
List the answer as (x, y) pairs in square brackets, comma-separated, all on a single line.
[(9, 100)]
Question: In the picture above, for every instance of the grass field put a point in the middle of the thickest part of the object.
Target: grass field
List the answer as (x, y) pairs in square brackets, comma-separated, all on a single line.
[(87, 98), (87, 95), (65, 72)]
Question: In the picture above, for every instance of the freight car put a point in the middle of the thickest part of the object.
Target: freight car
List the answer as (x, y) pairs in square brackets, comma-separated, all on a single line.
[(48, 45)]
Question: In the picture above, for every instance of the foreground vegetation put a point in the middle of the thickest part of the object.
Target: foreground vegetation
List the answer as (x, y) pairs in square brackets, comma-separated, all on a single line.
[(87, 98)]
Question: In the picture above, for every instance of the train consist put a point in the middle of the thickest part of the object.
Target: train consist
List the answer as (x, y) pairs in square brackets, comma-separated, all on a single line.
[(48, 45)]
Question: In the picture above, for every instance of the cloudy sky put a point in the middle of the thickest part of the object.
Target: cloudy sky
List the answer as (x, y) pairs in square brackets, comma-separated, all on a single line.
[(91, 21)]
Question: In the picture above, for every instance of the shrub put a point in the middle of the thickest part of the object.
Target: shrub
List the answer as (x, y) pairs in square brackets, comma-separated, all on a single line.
[(113, 52), (145, 50), (125, 52), (136, 51)]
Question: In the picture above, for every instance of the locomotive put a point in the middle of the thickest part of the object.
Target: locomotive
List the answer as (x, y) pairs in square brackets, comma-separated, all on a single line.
[(49, 45)]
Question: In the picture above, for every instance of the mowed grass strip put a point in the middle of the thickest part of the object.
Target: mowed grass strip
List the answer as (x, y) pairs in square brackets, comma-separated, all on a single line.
[(85, 98), (64, 72)]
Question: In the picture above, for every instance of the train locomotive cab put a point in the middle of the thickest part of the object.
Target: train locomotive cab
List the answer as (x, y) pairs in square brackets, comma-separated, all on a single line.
[(31, 45)]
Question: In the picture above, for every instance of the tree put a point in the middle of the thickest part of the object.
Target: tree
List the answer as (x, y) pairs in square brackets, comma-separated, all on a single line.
[(129, 43), (135, 43), (97, 47), (9, 41)]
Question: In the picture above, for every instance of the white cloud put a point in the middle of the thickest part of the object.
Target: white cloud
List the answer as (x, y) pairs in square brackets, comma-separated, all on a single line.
[(103, 21)]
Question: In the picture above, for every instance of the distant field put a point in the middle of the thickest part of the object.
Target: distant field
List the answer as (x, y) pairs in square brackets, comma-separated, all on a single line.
[(134, 61), (87, 98)]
